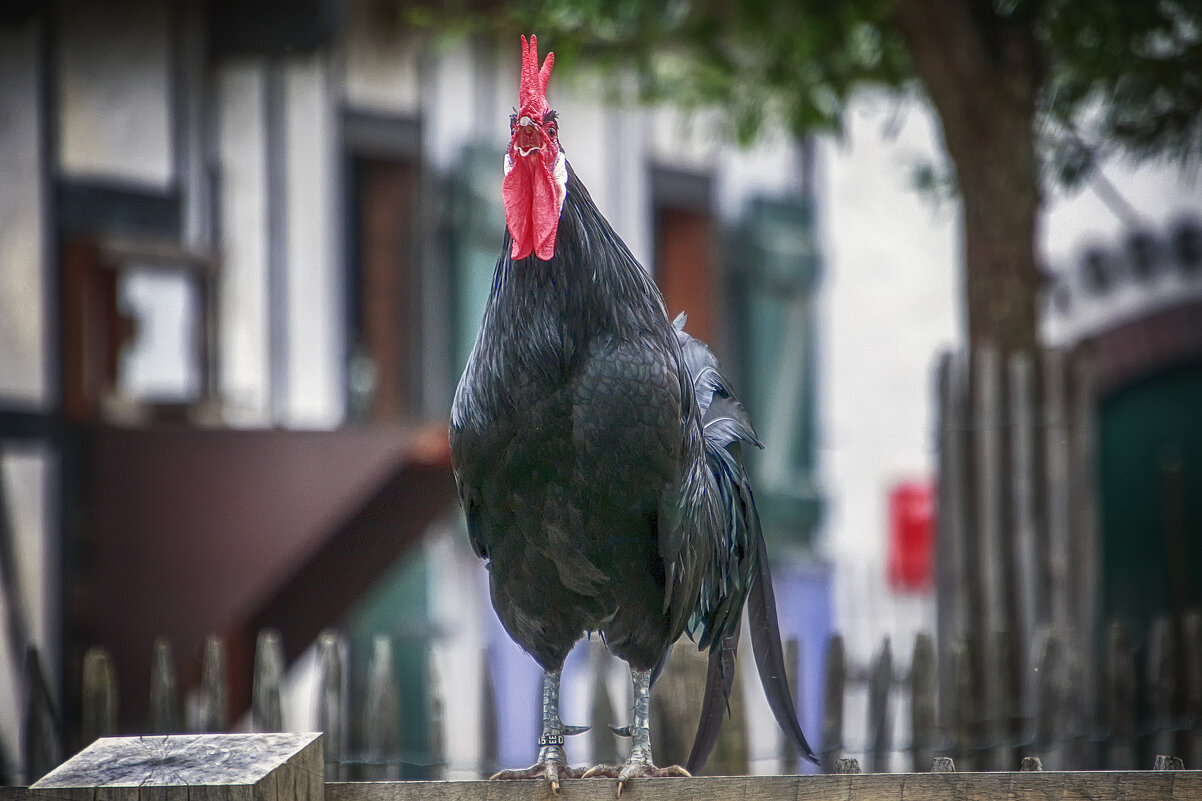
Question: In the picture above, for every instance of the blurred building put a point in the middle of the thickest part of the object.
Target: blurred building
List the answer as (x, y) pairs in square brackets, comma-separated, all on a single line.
[(243, 254)]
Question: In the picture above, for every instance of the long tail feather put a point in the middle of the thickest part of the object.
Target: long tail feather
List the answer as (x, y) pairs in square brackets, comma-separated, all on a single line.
[(719, 679), (770, 656), (739, 568)]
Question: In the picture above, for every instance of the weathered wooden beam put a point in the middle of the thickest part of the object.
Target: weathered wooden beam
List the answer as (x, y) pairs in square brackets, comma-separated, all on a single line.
[(212, 708), (832, 704), (206, 767), (98, 696), (164, 695), (880, 723), (1014, 786), (1192, 647), (1162, 685), (1119, 698), (332, 712), (923, 731), (267, 708), (382, 715), (39, 727)]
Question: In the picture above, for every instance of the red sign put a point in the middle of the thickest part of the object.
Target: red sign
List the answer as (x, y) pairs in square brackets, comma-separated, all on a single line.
[(911, 536)]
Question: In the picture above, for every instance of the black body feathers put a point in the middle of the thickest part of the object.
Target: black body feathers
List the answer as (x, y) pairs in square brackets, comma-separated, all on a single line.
[(596, 449)]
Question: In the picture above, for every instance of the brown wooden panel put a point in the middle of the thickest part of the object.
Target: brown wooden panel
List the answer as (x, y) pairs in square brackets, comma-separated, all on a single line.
[(185, 532), (389, 283), (685, 268)]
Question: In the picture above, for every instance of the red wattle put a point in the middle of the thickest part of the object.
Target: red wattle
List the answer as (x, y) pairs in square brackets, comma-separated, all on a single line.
[(531, 200)]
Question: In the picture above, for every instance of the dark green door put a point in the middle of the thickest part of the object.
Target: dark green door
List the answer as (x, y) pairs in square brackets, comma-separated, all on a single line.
[(1151, 497)]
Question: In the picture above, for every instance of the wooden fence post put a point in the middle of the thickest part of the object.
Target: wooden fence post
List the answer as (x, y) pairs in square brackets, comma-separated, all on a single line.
[(1119, 698), (436, 736), (1059, 512), (164, 697), (1084, 550), (1026, 453), (39, 729), (1161, 685), (952, 606), (1049, 709), (490, 759), (213, 707), (922, 703), (789, 764), (1167, 762), (965, 730), (207, 767), (267, 711), (991, 561), (1192, 646), (676, 706), (1006, 728), (602, 741), (880, 683), (98, 697), (832, 704), (943, 765), (332, 701), (382, 715)]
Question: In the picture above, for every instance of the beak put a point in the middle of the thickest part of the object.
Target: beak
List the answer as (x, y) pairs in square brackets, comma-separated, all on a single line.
[(527, 137)]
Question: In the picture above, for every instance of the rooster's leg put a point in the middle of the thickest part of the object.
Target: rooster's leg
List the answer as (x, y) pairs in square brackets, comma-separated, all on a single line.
[(639, 765), (552, 765)]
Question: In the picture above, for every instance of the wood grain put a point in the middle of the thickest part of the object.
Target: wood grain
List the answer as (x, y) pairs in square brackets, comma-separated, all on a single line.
[(205, 767), (1013, 786), (300, 784)]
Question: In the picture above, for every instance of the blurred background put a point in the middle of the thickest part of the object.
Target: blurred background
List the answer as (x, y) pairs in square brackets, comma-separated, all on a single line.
[(244, 250)]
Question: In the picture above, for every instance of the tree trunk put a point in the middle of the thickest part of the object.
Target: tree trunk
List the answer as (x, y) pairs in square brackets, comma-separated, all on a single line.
[(982, 72)]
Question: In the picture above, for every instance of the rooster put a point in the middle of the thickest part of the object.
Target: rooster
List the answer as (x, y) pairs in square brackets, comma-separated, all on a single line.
[(597, 453)]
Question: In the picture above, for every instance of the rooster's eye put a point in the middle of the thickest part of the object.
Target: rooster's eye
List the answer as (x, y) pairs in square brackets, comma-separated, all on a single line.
[(552, 130)]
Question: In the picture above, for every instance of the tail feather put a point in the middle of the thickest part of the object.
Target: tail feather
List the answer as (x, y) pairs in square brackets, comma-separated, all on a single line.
[(719, 679), (739, 569), (770, 655)]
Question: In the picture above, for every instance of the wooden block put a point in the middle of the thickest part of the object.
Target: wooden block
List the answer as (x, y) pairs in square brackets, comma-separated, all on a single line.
[(203, 767)]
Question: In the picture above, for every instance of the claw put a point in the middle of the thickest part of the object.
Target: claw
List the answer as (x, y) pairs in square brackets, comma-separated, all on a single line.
[(622, 731), (635, 769), (552, 771), (570, 731)]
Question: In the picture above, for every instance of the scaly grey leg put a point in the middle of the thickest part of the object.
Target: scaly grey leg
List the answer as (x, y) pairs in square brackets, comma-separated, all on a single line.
[(551, 764)]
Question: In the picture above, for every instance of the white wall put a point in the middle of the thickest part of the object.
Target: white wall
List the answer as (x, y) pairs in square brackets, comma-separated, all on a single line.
[(316, 332), (115, 91), (239, 89), (890, 301), (27, 471), (23, 318)]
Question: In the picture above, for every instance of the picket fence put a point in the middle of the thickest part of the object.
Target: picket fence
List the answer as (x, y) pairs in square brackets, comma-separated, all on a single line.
[(908, 710)]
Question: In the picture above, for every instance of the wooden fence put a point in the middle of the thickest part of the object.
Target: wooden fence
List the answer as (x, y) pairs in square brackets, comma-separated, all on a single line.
[(287, 767), (1022, 658), (906, 712)]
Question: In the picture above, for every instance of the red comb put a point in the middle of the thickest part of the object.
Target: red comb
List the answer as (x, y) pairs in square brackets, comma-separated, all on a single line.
[(533, 88)]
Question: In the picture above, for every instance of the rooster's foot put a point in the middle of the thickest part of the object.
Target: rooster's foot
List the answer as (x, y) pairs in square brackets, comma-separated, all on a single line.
[(634, 769), (552, 769)]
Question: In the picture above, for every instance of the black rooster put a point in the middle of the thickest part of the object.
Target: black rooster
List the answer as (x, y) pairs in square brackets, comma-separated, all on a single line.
[(597, 452)]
